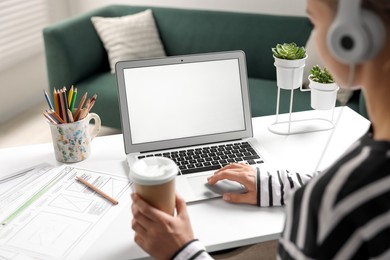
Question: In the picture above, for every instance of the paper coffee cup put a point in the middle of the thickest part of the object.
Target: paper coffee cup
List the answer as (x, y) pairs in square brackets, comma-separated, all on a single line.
[(154, 181)]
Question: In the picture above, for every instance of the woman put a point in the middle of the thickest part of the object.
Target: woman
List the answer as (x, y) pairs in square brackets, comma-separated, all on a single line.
[(344, 212)]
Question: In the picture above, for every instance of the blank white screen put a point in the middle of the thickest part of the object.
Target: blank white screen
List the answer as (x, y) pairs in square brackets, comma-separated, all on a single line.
[(184, 100)]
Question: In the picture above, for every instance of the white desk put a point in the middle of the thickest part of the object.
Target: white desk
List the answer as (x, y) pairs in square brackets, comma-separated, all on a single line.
[(217, 224)]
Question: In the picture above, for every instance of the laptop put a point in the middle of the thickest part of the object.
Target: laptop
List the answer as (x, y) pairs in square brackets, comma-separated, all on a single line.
[(193, 109)]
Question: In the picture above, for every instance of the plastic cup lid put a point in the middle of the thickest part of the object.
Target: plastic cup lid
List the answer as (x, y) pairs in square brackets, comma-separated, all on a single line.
[(153, 171)]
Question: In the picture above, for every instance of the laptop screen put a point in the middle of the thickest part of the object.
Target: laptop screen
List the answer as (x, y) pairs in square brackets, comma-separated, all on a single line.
[(170, 102), (184, 100)]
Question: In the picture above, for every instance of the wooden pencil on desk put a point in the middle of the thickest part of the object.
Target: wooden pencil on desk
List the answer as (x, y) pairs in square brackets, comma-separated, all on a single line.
[(100, 192)]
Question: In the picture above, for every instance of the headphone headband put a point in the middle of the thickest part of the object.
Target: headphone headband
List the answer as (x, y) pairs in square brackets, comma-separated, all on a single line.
[(356, 34), (349, 9)]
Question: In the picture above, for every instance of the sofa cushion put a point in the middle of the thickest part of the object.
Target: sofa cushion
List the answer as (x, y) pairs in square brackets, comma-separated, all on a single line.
[(129, 37), (106, 106)]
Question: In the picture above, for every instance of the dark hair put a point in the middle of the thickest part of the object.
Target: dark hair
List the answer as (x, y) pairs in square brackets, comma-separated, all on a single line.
[(382, 7)]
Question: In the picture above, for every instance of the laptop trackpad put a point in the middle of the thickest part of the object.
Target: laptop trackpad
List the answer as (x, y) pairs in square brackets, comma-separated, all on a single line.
[(203, 190)]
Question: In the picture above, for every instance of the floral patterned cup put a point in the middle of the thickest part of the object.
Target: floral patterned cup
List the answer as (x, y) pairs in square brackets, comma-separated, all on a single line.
[(72, 141)]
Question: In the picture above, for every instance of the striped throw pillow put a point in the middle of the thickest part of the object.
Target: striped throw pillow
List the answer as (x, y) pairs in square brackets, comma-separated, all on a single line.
[(129, 37)]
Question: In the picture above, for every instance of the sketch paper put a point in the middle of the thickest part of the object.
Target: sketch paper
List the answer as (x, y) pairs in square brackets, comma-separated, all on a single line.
[(47, 214)]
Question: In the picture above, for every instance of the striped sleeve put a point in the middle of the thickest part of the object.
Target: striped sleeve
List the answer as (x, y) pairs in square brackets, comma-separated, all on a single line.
[(274, 187), (193, 250)]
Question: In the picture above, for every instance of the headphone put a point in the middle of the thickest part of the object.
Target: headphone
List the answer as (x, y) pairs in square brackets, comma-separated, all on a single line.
[(356, 35)]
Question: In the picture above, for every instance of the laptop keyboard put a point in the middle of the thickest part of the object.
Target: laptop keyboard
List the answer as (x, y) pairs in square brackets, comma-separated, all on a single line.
[(211, 157)]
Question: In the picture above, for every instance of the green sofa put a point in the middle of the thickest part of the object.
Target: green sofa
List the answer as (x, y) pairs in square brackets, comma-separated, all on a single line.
[(75, 54)]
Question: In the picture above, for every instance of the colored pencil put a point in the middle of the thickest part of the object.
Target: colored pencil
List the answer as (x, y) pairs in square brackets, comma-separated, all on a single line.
[(91, 105), (53, 116), (51, 120), (48, 99), (56, 107), (74, 96), (77, 114), (65, 104), (63, 111), (71, 120), (54, 113), (85, 110), (70, 96)]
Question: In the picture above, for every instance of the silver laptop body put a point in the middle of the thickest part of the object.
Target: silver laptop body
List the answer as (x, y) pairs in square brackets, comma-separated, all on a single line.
[(193, 109)]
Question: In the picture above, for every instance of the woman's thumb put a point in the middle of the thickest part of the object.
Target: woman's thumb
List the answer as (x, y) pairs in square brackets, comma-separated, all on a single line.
[(247, 198)]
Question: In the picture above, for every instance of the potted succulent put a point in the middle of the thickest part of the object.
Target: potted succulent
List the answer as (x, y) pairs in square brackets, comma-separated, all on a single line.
[(323, 89), (289, 62)]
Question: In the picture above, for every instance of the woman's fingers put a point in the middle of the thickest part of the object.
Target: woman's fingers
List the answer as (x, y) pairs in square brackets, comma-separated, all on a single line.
[(233, 166), (234, 172), (157, 232), (231, 175), (138, 228), (241, 173), (147, 210)]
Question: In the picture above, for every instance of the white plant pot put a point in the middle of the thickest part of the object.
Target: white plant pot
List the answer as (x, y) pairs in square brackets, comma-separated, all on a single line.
[(289, 73), (323, 96)]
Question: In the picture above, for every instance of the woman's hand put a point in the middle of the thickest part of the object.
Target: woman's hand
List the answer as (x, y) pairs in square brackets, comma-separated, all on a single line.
[(158, 233), (241, 173)]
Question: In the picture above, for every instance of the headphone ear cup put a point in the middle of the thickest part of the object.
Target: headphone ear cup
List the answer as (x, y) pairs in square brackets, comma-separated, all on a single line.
[(353, 43), (348, 42), (376, 31)]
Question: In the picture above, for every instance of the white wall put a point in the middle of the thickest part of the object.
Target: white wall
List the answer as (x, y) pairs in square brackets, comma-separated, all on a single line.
[(285, 7), (21, 85)]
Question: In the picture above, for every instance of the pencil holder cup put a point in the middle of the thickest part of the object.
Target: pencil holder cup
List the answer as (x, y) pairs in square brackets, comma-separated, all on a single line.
[(72, 141)]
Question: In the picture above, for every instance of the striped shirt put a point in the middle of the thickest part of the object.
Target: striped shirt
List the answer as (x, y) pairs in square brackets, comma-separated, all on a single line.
[(343, 213)]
